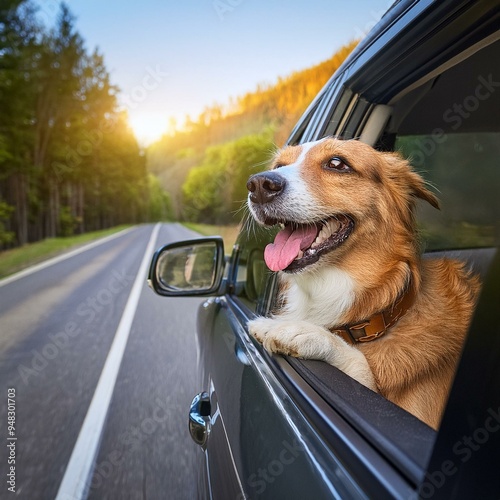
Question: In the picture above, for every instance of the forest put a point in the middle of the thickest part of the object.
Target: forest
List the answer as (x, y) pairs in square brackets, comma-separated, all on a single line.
[(69, 162)]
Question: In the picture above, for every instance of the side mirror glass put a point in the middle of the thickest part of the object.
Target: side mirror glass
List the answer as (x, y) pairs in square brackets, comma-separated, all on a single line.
[(188, 268)]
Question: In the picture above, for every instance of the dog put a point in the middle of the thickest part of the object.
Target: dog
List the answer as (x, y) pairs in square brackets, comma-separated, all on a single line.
[(354, 290)]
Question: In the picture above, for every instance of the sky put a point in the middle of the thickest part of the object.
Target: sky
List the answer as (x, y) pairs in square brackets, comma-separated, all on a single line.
[(174, 58)]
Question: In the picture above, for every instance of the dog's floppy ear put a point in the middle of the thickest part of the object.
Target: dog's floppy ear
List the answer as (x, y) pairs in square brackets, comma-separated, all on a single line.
[(420, 191), (401, 172)]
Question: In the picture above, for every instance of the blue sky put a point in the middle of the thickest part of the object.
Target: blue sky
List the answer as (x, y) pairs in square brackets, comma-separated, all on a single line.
[(172, 58)]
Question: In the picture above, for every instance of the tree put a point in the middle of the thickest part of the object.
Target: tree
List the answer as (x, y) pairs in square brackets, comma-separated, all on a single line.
[(68, 159), (6, 237), (160, 206), (206, 186), (58, 107), (19, 51), (216, 190)]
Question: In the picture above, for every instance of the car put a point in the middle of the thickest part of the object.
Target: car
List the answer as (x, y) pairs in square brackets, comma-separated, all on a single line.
[(426, 82)]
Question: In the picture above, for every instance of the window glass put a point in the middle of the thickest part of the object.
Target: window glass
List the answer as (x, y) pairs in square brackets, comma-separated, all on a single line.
[(338, 113), (250, 271), (325, 104), (450, 131), (465, 171)]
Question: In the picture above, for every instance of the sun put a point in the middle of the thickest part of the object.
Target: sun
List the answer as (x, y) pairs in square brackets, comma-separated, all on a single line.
[(148, 127)]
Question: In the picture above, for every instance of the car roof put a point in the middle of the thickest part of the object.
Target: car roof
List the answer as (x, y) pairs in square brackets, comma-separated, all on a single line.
[(415, 38), (413, 42)]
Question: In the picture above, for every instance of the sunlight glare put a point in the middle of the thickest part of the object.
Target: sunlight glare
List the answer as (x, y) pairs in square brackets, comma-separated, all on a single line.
[(148, 127)]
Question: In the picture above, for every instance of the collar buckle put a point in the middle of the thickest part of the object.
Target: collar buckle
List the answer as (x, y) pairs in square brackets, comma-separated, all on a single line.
[(379, 324)]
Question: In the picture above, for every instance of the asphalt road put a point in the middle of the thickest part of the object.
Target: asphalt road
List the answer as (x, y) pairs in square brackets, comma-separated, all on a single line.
[(57, 329)]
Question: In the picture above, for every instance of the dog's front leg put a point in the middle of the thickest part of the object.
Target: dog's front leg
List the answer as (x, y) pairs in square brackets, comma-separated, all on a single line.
[(302, 339)]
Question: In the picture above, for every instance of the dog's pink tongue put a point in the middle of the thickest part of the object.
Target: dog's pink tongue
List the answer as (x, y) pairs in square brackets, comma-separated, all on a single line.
[(287, 244)]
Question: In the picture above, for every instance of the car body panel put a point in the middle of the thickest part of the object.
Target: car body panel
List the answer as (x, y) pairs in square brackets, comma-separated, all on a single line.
[(253, 401)]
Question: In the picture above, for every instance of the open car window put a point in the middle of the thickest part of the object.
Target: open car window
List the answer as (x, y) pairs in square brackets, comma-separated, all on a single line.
[(466, 166), (451, 134), (251, 277)]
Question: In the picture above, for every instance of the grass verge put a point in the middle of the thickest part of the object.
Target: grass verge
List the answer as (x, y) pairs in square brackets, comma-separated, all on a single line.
[(17, 259)]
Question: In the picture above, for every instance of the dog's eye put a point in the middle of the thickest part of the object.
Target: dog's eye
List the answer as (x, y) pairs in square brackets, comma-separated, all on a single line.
[(338, 165), (279, 165)]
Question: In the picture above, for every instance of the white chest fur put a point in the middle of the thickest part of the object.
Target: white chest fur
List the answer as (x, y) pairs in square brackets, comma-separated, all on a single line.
[(320, 298)]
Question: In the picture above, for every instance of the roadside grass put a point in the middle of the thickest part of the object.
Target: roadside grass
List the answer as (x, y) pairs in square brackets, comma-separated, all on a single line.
[(228, 233), (17, 259)]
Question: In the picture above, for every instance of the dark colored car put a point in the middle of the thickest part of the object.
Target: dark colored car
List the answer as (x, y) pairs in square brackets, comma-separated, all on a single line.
[(425, 82)]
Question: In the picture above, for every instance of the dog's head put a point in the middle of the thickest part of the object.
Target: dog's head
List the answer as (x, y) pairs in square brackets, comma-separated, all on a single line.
[(331, 196)]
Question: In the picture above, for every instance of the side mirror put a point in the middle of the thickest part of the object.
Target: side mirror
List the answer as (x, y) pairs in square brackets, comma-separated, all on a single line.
[(188, 268)]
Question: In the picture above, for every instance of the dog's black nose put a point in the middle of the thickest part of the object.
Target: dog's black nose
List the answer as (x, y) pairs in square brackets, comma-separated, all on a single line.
[(265, 186)]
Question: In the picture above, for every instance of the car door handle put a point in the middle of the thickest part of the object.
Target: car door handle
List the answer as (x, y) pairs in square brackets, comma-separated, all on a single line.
[(199, 419)]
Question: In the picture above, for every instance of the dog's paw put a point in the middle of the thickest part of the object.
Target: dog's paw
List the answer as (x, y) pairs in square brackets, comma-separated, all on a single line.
[(277, 336), (301, 339), (295, 338), (260, 327)]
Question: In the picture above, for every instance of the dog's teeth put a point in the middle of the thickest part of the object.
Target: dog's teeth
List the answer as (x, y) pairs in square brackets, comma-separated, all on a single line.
[(326, 232), (300, 255), (320, 238), (334, 226), (329, 228)]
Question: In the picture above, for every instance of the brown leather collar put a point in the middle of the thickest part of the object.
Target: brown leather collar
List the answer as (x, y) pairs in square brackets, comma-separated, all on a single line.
[(377, 325)]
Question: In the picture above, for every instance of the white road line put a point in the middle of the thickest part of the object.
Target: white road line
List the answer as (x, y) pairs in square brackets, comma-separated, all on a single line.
[(60, 258), (76, 480)]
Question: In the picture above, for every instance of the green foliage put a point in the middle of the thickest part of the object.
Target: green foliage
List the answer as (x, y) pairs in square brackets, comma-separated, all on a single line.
[(160, 205), (69, 162), (204, 189), (215, 191), (6, 237), (67, 222)]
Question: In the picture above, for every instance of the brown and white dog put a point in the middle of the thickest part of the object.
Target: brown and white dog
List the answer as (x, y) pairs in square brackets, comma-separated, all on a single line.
[(355, 291)]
